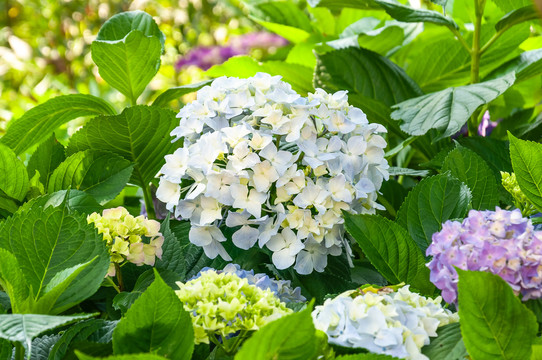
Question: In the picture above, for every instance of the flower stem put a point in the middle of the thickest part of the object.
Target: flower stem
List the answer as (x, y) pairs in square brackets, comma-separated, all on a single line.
[(113, 284), (475, 59), (119, 277), (149, 206), (19, 351)]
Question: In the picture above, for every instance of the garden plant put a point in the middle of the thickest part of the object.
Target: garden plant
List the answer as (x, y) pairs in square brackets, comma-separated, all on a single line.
[(371, 190)]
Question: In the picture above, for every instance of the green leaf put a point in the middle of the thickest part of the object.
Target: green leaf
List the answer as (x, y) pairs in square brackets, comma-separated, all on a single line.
[(473, 171), (13, 176), (99, 173), (76, 201), (175, 93), (140, 134), (172, 257), (6, 350), (408, 14), (48, 241), (120, 25), (157, 323), (494, 152), (46, 159), (299, 76), (368, 356), (23, 328), (448, 345), (494, 323), (511, 5), (517, 16), (391, 250), (340, 4), (526, 65), (76, 333), (290, 337), (124, 300), (527, 163), (38, 123), (12, 281), (433, 201), (366, 73), (397, 171), (282, 12), (448, 110), (82, 356), (129, 64)]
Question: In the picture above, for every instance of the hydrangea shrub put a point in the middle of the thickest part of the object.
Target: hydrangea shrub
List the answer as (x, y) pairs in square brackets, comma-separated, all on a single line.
[(278, 167)]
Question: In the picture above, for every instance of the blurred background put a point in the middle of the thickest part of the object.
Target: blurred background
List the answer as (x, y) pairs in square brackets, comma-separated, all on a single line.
[(45, 46)]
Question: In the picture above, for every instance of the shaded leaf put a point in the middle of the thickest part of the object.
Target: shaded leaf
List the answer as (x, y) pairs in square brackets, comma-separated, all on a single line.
[(448, 345), (46, 159), (527, 163), (14, 180), (526, 65), (175, 93), (408, 14)]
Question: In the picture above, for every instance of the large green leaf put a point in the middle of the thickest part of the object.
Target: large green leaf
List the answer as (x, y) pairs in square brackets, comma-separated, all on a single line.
[(129, 64), (433, 201), (14, 180), (74, 200), (47, 243), (82, 356), (494, 322), (494, 152), (527, 163), (23, 328), (38, 123), (13, 282), (172, 257), (175, 93), (408, 14), (282, 12), (99, 173), (391, 250), (526, 65), (366, 73), (120, 25), (291, 337), (140, 134), (448, 345), (448, 110), (299, 76), (157, 323), (46, 159), (6, 349), (473, 171)]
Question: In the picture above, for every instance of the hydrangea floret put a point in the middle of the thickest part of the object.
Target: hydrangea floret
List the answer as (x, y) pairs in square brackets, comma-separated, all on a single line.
[(387, 320), (222, 304), (510, 183), (501, 242), (134, 239), (276, 167), (281, 288)]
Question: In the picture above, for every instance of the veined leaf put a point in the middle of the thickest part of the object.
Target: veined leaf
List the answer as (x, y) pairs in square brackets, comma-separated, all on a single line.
[(511, 5), (38, 123), (156, 323), (129, 64), (290, 337), (494, 323), (140, 134), (13, 282), (517, 16), (408, 14), (14, 180), (526, 65), (49, 241), (120, 25), (175, 93), (74, 200), (25, 327), (448, 345), (433, 201), (99, 173), (527, 163), (448, 110), (282, 12), (473, 171), (391, 250)]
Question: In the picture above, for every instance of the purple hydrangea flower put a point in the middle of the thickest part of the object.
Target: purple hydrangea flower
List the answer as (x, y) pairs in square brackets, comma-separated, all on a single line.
[(486, 125), (282, 288), (206, 56), (501, 242)]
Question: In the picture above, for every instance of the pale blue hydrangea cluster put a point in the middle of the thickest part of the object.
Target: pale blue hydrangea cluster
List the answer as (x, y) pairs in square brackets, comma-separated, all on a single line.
[(276, 167), (397, 323), (501, 242), (281, 288)]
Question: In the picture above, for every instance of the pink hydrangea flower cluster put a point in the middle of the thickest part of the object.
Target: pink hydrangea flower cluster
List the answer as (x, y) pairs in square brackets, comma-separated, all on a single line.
[(501, 242)]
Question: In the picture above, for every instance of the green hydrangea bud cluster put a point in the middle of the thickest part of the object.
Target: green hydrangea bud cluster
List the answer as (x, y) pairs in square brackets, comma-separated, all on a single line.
[(510, 183), (125, 235), (222, 304)]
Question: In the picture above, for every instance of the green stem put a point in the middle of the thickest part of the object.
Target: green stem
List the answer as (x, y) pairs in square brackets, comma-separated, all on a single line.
[(475, 58), (113, 284), (19, 351), (119, 277), (148, 202), (460, 38)]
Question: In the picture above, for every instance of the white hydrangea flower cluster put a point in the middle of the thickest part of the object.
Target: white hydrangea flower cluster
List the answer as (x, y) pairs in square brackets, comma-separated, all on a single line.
[(278, 167), (397, 323)]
